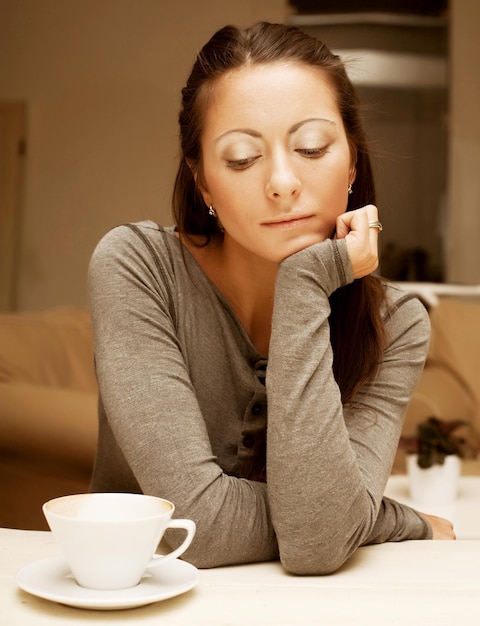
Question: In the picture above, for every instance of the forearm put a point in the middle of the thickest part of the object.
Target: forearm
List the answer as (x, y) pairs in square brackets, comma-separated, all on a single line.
[(312, 474), (327, 468), (398, 522)]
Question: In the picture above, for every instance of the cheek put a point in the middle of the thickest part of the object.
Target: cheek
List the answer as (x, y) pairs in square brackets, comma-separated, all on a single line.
[(332, 179), (232, 193), (219, 184)]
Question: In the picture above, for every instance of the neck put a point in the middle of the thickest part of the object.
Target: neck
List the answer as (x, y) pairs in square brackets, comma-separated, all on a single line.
[(247, 282), (249, 285)]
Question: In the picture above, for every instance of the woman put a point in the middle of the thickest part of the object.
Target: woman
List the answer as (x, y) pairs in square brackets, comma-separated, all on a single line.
[(262, 292)]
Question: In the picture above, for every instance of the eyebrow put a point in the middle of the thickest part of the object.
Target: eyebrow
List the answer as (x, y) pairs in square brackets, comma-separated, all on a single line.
[(256, 134), (307, 121)]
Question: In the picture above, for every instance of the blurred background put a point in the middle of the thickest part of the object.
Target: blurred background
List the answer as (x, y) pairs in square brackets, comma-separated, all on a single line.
[(89, 96)]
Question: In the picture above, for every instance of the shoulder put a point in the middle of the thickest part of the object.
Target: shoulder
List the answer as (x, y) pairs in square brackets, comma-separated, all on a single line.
[(137, 255), (128, 243), (134, 265), (131, 234), (398, 299), (405, 312)]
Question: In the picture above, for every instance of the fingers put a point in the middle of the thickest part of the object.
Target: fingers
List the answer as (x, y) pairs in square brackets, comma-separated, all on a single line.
[(441, 528), (372, 217), (361, 238)]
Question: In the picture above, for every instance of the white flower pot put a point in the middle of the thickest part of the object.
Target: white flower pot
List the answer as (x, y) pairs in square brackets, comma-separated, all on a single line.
[(435, 485)]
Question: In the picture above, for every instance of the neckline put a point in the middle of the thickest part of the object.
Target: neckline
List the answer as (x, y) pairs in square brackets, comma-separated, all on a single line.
[(191, 263)]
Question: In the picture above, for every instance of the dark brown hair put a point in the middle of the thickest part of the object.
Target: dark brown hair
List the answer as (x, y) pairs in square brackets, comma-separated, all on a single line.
[(357, 330)]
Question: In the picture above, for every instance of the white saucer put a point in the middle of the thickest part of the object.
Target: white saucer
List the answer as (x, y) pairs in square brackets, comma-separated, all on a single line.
[(51, 579)]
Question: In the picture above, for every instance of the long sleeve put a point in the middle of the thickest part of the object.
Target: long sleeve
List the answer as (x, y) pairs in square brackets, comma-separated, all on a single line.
[(179, 389), (328, 465), (153, 437)]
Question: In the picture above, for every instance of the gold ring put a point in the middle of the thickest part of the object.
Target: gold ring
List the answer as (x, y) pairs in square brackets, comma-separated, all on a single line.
[(376, 224)]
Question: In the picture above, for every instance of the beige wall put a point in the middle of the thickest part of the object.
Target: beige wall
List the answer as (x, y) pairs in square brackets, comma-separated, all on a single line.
[(101, 79), (463, 227)]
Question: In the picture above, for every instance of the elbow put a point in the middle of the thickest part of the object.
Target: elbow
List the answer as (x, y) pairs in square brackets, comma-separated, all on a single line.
[(315, 562)]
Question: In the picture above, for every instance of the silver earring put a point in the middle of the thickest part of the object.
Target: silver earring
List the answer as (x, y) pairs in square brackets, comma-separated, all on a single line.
[(350, 189), (211, 211)]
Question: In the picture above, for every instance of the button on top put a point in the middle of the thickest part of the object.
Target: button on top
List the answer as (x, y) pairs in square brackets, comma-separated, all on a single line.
[(248, 440), (257, 409)]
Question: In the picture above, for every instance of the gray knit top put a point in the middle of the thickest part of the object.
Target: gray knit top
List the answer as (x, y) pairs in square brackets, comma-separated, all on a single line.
[(183, 406)]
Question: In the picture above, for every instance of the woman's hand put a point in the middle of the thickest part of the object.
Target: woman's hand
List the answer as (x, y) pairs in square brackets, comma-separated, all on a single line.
[(361, 240), (442, 528)]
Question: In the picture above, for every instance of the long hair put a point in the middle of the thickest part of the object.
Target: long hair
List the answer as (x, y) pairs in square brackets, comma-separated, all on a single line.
[(355, 318)]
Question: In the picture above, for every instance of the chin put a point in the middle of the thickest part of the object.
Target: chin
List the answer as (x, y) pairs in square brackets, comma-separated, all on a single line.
[(279, 253), (305, 242)]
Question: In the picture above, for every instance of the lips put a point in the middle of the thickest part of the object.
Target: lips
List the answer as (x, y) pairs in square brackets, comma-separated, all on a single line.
[(288, 222)]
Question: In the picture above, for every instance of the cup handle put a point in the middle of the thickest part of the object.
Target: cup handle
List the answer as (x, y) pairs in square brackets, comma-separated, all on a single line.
[(186, 524)]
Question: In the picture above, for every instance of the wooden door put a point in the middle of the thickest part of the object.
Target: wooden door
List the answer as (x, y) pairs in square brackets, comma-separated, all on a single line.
[(12, 157)]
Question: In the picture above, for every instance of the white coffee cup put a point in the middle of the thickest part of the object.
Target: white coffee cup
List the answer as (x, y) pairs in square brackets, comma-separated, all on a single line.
[(109, 539)]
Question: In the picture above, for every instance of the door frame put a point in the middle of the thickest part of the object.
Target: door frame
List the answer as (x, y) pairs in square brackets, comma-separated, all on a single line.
[(13, 118)]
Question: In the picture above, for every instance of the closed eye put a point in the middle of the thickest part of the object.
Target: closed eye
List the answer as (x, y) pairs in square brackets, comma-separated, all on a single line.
[(311, 153), (241, 164)]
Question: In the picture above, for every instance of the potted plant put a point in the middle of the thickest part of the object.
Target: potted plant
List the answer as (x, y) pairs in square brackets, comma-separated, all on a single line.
[(433, 459)]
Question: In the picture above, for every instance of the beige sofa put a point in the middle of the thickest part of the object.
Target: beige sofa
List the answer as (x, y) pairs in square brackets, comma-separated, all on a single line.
[(449, 387), (48, 397)]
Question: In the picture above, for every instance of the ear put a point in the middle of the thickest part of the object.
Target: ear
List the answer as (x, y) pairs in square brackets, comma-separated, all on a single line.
[(207, 198), (199, 183), (191, 165), (352, 174), (202, 188), (353, 164)]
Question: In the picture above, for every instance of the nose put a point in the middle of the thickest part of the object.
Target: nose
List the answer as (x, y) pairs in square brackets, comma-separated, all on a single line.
[(283, 183)]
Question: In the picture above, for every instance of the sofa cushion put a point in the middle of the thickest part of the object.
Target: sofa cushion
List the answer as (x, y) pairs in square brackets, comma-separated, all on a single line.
[(59, 425), (53, 348)]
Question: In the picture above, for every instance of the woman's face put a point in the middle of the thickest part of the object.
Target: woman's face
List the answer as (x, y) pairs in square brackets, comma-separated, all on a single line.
[(276, 162)]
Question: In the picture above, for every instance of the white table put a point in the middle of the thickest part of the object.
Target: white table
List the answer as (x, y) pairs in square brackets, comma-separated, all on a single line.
[(464, 512), (435, 583)]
